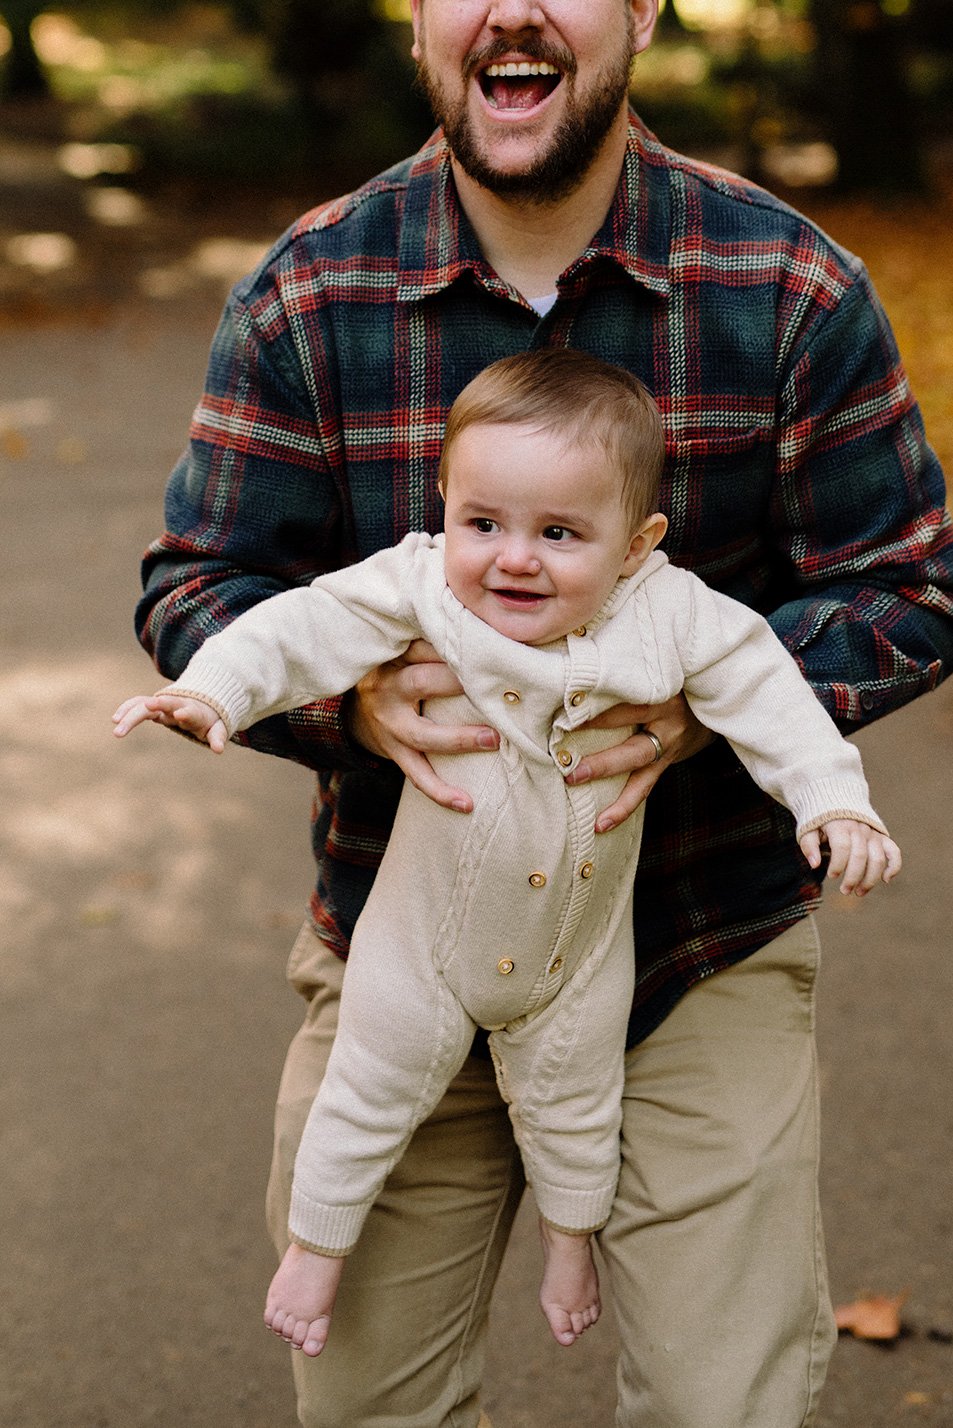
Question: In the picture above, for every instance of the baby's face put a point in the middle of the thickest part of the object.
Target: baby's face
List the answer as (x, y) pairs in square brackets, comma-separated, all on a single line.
[(536, 534)]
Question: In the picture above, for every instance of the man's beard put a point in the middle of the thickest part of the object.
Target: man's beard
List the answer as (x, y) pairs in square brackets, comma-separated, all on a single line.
[(575, 144)]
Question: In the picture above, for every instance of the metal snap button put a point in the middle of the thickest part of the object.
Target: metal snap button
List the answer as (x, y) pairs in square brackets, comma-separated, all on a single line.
[(504, 966), (587, 870), (537, 880)]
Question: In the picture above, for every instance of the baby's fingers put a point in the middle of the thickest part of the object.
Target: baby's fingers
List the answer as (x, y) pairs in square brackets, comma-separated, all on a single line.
[(811, 848), (876, 863), (893, 858), (217, 737), (133, 712), (863, 856), (848, 854)]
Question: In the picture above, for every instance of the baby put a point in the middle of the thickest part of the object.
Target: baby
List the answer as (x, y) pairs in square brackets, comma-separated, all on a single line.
[(548, 597)]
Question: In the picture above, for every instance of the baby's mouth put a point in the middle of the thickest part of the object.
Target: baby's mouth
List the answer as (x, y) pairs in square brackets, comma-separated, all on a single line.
[(518, 84), (521, 597)]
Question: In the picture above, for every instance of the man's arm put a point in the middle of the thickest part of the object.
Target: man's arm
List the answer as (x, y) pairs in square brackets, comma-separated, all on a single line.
[(253, 508), (256, 506), (862, 537), (860, 520)]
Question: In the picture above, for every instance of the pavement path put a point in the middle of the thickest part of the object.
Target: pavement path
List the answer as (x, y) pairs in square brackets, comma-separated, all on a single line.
[(149, 898)]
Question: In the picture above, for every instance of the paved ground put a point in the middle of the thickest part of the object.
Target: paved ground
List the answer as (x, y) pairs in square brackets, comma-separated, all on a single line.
[(148, 901)]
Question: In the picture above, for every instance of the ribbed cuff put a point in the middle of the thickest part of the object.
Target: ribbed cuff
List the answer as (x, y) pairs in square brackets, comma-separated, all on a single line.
[(575, 1212), (216, 687), (328, 1229), (828, 799)]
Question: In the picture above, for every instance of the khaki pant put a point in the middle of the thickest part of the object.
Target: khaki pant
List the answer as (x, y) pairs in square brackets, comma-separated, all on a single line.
[(714, 1246)]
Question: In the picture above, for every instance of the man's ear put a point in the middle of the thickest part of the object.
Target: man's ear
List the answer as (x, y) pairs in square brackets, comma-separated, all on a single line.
[(644, 16), (644, 541), (415, 20)]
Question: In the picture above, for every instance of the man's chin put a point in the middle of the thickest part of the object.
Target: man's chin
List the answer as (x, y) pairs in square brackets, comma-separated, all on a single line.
[(542, 178)]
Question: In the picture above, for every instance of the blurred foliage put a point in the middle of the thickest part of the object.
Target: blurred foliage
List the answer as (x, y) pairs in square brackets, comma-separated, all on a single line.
[(323, 89)]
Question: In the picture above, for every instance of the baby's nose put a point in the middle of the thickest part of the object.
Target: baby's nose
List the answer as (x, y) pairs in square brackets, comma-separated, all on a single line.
[(517, 555)]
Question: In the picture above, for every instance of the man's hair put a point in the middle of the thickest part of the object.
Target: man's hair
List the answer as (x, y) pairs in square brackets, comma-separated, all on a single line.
[(579, 397)]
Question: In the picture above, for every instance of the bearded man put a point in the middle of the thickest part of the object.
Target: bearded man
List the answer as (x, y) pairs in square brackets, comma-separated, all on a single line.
[(798, 480)]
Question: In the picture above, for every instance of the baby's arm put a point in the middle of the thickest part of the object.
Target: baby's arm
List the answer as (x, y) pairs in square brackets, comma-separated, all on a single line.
[(174, 711), (861, 855)]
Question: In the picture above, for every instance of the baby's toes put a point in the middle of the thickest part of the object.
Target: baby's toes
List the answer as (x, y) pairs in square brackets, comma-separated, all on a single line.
[(316, 1337), (299, 1333), (584, 1319), (560, 1322)]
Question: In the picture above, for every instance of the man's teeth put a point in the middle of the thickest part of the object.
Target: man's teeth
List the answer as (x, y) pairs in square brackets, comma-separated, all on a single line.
[(519, 69)]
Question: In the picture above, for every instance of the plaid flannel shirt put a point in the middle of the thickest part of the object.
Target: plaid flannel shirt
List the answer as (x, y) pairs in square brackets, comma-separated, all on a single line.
[(798, 480)]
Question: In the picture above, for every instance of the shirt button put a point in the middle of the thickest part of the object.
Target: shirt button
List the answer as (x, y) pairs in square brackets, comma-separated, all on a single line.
[(537, 880), (580, 632), (564, 757), (587, 870), (577, 698), (555, 965), (511, 696), (504, 966)]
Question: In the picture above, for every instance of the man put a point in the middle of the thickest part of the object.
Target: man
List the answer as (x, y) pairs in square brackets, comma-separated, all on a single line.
[(798, 480)]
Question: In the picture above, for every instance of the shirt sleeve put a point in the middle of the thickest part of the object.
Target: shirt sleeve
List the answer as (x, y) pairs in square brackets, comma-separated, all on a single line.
[(253, 508), (307, 643), (742, 684), (860, 518)]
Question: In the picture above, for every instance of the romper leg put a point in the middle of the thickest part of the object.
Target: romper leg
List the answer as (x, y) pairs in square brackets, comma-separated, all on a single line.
[(408, 1341), (562, 1071), (401, 1038), (714, 1245)]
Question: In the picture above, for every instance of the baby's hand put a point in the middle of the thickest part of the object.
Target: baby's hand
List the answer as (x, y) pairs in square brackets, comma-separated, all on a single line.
[(174, 711), (859, 853)]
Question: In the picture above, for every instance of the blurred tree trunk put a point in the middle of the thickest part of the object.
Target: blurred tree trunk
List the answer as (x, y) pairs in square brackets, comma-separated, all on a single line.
[(669, 22), (320, 46), (23, 77), (863, 91), (353, 79)]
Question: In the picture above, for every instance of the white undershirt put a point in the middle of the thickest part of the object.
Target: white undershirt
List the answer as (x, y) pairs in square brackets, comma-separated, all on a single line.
[(543, 304)]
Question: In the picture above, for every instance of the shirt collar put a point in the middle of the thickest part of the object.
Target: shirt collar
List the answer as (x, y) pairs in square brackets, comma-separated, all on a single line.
[(438, 245)]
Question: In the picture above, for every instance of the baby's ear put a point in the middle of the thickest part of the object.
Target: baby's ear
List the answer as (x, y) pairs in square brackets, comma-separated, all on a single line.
[(643, 542), (443, 494)]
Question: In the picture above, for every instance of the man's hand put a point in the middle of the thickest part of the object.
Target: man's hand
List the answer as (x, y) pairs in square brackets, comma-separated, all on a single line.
[(175, 711), (384, 717), (678, 732), (860, 855)]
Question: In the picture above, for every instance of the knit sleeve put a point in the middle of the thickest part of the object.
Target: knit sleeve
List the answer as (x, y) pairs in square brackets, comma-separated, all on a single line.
[(309, 643), (742, 683)]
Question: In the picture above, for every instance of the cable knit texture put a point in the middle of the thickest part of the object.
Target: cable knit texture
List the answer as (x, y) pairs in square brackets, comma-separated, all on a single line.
[(514, 917)]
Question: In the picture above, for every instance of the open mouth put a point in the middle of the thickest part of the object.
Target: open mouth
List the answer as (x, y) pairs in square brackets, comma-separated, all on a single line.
[(518, 84), (519, 597)]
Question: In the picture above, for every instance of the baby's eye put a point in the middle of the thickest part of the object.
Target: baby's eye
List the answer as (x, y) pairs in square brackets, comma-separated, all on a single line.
[(484, 525), (558, 533)]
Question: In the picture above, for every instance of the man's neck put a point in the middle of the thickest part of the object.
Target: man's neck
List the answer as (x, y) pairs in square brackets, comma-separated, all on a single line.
[(530, 244)]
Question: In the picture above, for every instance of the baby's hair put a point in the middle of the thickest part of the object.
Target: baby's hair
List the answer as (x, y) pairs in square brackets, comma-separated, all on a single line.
[(580, 397)]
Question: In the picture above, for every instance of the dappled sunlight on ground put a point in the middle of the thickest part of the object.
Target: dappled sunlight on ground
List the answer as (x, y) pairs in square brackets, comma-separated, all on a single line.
[(135, 836)]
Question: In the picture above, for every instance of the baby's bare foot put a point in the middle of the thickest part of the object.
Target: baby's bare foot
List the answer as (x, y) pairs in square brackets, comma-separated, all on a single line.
[(569, 1293), (301, 1298)]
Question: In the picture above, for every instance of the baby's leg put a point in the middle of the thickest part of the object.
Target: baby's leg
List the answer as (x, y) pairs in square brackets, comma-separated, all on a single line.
[(301, 1298), (569, 1293)]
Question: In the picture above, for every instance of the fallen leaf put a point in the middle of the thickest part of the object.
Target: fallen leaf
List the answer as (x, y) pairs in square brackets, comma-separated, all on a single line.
[(13, 444), (877, 1316), (98, 915), (916, 1398)]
